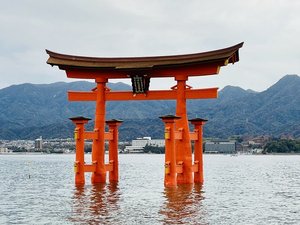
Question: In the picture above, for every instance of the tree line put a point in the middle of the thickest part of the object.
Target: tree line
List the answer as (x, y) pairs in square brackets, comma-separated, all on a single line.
[(282, 146)]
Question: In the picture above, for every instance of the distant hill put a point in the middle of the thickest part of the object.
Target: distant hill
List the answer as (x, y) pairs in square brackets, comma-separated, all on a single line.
[(275, 111), (28, 111)]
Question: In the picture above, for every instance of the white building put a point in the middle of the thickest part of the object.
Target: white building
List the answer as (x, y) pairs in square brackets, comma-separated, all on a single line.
[(38, 143), (5, 151), (138, 144)]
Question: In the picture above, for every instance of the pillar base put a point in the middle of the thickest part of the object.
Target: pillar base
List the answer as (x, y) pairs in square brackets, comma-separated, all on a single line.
[(98, 178)]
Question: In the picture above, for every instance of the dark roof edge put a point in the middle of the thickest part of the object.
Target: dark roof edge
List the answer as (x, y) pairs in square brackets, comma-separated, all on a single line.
[(225, 51)]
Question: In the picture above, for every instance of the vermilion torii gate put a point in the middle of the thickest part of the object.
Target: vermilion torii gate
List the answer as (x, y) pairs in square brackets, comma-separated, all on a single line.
[(179, 165)]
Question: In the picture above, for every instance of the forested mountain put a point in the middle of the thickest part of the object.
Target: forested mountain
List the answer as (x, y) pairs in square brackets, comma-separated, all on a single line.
[(28, 111)]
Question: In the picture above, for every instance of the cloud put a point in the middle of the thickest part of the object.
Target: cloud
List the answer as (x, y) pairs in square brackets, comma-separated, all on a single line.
[(137, 28)]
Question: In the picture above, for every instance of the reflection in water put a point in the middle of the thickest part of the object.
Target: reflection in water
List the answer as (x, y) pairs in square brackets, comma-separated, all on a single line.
[(95, 204), (183, 205)]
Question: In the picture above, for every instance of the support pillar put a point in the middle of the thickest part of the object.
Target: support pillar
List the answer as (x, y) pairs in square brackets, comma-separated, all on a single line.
[(183, 146), (98, 150), (170, 154), (198, 149), (113, 149), (79, 139)]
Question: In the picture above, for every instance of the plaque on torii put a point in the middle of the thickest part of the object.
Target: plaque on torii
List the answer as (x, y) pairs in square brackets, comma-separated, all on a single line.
[(180, 168)]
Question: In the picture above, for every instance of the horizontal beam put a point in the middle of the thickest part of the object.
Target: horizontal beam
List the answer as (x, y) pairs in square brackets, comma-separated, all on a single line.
[(150, 95), (201, 93), (90, 135), (203, 69), (128, 95), (82, 96), (89, 168), (195, 70)]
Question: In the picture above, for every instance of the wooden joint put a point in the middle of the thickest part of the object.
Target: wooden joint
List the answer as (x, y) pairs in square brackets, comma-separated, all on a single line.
[(188, 86), (109, 136), (174, 87), (102, 80), (167, 167), (167, 133), (178, 134), (179, 167), (76, 134), (97, 133), (76, 166), (110, 166), (181, 77), (194, 135), (195, 167)]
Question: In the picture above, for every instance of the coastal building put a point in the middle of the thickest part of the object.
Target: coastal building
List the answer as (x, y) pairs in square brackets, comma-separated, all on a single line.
[(138, 144), (5, 151), (38, 143), (220, 146)]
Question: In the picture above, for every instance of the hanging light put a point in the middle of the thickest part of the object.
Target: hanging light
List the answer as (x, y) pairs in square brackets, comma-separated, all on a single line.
[(140, 83)]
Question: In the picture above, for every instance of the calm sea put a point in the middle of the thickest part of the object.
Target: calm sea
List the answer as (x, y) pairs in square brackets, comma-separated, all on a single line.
[(39, 189)]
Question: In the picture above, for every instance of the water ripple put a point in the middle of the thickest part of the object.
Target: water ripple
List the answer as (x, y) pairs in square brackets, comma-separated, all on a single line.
[(39, 189)]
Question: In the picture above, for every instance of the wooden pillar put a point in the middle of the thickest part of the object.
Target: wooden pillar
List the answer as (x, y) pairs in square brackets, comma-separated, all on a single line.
[(183, 146), (198, 149), (113, 149), (79, 140), (170, 154), (98, 149)]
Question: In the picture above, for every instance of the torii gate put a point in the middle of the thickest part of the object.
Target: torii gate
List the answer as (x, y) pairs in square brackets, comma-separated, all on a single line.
[(179, 165)]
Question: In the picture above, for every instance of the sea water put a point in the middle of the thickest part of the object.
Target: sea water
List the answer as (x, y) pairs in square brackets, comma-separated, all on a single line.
[(247, 189)]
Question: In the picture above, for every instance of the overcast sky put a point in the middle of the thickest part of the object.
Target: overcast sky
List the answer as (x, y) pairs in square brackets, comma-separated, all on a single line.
[(269, 28)]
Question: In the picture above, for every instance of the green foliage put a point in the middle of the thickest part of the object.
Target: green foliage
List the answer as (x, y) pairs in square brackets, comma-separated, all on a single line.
[(154, 149), (282, 146)]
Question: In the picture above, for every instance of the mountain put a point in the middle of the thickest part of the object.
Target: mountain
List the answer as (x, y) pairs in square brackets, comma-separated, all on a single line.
[(274, 111), (28, 111)]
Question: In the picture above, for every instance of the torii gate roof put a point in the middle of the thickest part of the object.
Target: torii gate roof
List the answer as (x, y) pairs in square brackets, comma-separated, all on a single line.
[(219, 57)]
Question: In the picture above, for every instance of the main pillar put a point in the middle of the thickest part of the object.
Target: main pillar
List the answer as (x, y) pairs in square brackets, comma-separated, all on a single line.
[(198, 149), (183, 146), (98, 151), (113, 149), (79, 139)]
